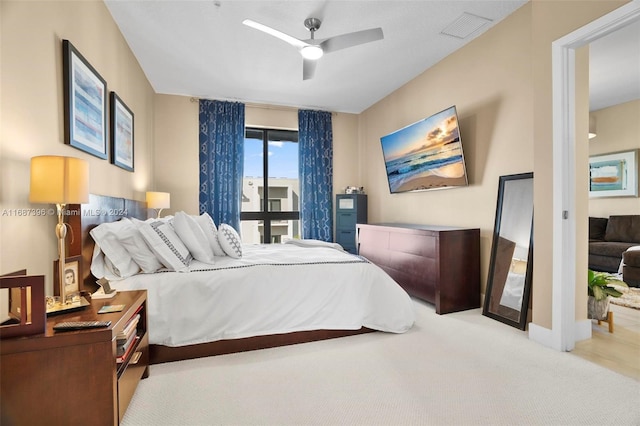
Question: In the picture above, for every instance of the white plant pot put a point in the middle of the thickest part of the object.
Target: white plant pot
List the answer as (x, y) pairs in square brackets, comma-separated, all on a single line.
[(598, 309)]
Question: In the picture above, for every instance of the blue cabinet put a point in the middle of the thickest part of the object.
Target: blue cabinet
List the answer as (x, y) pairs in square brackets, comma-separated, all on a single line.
[(350, 209)]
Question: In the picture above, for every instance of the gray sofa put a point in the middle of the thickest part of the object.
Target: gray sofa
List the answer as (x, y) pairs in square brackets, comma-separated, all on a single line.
[(609, 239)]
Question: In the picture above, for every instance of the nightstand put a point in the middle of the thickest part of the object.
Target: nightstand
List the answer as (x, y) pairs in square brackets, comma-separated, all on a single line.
[(73, 377), (350, 209)]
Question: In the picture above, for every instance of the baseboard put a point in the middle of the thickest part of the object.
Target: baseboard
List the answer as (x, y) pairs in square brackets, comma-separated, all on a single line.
[(541, 335), (582, 330), (545, 336)]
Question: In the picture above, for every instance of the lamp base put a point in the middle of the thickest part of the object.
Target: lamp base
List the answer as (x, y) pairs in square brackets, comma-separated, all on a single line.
[(64, 308)]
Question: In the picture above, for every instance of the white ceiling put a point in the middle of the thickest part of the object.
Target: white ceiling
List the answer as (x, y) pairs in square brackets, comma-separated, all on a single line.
[(202, 49), (614, 68)]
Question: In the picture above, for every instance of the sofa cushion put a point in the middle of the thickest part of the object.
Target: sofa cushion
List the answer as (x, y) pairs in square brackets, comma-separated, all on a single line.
[(609, 249), (631, 276), (632, 258), (623, 229), (597, 228), (604, 263)]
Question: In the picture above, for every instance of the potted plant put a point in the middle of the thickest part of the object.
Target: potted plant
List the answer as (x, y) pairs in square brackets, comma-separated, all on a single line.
[(600, 291)]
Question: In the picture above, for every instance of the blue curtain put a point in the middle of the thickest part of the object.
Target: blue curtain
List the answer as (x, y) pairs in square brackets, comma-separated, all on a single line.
[(315, 139), (221, 160)]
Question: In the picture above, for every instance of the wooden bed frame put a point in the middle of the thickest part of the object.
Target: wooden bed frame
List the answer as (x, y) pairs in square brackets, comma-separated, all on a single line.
[(102, 209)]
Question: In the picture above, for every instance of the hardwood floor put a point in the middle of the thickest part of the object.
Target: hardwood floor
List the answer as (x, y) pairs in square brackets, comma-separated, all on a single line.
[(618, 351)]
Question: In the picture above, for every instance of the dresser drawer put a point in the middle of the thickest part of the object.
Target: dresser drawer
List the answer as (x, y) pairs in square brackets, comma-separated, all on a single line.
[(346, 237), (346, 220)]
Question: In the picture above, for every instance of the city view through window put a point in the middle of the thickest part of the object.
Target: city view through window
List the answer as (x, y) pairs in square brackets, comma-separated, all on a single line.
[(270, 189)]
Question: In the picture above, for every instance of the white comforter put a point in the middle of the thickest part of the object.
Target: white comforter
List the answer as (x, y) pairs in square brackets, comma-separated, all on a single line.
[(272, 289)]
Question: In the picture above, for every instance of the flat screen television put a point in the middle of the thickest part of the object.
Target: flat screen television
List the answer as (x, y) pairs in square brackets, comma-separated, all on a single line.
[(425, 155)]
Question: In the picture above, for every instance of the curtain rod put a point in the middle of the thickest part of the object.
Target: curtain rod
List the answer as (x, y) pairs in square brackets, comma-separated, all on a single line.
[(266, 106)]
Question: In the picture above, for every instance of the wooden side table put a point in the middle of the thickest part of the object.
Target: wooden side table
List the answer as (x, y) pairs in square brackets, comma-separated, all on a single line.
[(73, 377)]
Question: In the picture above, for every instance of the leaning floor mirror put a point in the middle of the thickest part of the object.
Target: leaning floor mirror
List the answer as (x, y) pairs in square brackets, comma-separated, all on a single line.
[(511, 263)]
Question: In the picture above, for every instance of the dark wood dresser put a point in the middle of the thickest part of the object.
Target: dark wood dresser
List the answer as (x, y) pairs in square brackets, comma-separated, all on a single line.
[(438, 264), (74, 377)]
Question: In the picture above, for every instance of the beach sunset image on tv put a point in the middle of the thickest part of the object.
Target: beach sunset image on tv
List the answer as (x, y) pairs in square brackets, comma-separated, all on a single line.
[(425, 155)]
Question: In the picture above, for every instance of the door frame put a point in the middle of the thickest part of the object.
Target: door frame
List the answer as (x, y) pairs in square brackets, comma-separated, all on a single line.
[(565, 330)]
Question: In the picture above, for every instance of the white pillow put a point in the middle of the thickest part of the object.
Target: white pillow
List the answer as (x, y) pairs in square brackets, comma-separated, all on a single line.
[(193, 237), (165, 243), (98, 266), (230, 241), (211, 232), (131, 239), (106, 237)]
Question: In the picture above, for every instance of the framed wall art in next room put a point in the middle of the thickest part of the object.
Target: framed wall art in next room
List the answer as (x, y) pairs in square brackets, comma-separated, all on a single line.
[(614, 175)]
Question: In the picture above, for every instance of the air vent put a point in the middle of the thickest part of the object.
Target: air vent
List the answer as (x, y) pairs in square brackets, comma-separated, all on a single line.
[(465, 25)]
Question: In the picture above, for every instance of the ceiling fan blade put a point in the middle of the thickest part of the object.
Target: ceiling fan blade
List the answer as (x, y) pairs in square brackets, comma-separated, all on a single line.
[(279, 34), (308, 68), (351, 39)]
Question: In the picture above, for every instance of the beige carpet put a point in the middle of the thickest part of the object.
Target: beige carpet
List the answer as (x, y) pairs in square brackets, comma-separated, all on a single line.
[(456, 369), (630, 298)]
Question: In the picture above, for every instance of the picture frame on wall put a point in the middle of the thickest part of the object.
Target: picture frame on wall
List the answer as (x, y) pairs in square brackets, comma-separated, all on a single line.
[(122, 136), (85, 104), (614, 175), (72, 275)]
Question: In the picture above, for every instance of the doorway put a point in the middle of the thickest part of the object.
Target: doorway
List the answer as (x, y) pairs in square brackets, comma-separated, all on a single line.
[(565, 329)]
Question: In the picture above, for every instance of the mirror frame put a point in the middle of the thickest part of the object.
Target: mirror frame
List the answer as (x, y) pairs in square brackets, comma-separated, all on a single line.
[(489, 296)]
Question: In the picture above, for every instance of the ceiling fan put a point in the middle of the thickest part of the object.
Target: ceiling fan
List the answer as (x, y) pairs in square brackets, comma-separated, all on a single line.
[(313, 49)]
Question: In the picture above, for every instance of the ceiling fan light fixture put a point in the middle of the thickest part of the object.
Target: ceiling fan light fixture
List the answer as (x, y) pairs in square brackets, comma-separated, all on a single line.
[(311, 52)]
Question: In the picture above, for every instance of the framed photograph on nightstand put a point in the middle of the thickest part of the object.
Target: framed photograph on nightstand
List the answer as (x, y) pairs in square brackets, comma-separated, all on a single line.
[(72, 275)]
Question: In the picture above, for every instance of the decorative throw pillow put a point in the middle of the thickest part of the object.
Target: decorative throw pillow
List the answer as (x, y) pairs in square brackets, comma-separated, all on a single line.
[(105, 236), (193, 237), (230, 241), (597, 228), (211, 232), (131, 239), (623, 229), (165, 243)]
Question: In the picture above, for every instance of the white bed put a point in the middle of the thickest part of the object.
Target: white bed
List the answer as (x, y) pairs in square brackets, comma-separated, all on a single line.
[(271, 289), (222, 296)]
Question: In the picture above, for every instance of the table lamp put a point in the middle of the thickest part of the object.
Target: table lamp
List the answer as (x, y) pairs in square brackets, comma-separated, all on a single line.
[(158, 201), (60, 181)]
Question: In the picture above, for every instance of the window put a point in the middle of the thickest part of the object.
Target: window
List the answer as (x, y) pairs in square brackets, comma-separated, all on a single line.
[(270, 190)]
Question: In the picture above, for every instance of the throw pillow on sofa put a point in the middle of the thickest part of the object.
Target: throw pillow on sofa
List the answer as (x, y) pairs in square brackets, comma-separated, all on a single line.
[(597, 228), (624, 229)]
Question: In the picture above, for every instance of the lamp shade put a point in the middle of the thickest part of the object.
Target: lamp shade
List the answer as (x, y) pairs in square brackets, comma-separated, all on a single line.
[(158, 200), (59, 180)]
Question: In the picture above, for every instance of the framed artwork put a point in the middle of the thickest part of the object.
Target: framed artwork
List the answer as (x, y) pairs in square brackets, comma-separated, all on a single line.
[(72, 275), (121, 133), (614, 175), (26, 309), (85, 104)]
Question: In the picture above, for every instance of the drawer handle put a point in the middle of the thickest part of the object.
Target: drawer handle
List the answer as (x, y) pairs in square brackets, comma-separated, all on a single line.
[(135, 358)]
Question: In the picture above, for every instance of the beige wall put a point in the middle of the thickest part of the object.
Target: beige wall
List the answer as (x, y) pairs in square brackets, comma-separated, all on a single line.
[(618, 129), (552, 20), (31, 107), (501, 85), (176, 152), (491, 85)]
